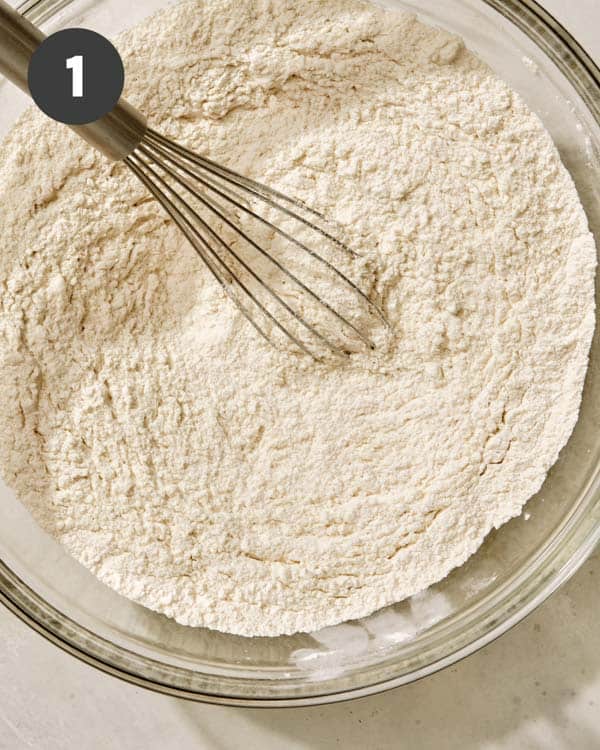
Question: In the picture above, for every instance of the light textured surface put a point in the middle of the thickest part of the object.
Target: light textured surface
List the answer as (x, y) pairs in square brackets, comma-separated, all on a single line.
[(205, 474), (537, 687)]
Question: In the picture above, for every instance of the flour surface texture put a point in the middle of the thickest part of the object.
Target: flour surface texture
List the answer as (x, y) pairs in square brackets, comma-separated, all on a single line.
[(211, 477)]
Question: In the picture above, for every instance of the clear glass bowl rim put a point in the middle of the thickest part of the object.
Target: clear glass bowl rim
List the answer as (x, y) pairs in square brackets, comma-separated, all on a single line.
[(493, 615)]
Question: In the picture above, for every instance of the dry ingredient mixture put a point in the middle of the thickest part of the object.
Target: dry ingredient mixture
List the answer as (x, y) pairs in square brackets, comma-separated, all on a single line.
[(208, 476)]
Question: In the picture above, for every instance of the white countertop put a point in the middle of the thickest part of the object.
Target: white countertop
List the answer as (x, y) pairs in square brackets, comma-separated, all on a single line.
[(537, 687)]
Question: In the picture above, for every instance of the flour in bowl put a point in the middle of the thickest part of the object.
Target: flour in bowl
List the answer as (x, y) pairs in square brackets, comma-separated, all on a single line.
[(201, 472)]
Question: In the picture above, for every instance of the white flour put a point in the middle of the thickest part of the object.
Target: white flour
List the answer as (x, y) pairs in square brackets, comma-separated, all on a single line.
[(205, 475)]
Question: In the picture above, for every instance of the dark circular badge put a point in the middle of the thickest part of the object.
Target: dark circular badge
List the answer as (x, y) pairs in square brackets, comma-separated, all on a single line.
[(76, 76)]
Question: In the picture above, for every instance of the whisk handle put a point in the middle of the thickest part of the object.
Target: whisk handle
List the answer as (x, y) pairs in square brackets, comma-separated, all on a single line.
[(116, 134), (19, 39)]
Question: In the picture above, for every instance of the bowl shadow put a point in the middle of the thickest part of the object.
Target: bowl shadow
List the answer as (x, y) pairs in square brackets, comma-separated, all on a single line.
[(520, 690)]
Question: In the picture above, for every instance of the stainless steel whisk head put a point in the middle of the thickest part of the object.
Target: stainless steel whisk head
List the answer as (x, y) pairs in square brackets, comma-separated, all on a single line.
[(290, 288), (193, 189)]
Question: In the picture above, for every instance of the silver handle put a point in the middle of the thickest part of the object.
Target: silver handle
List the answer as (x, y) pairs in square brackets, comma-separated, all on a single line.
[(18, 41), (116, 134)]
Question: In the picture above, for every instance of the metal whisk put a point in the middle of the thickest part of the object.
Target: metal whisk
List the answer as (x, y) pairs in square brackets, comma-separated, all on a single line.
[(255, 241)]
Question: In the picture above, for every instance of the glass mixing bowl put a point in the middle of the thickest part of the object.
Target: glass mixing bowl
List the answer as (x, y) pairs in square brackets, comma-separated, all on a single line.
[(518, 567)]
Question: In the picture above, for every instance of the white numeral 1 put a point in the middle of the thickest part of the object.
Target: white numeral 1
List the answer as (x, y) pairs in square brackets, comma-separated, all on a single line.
[(76, 65)]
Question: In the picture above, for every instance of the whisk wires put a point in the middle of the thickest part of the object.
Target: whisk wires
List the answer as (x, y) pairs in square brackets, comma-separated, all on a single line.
[(208, 201)]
